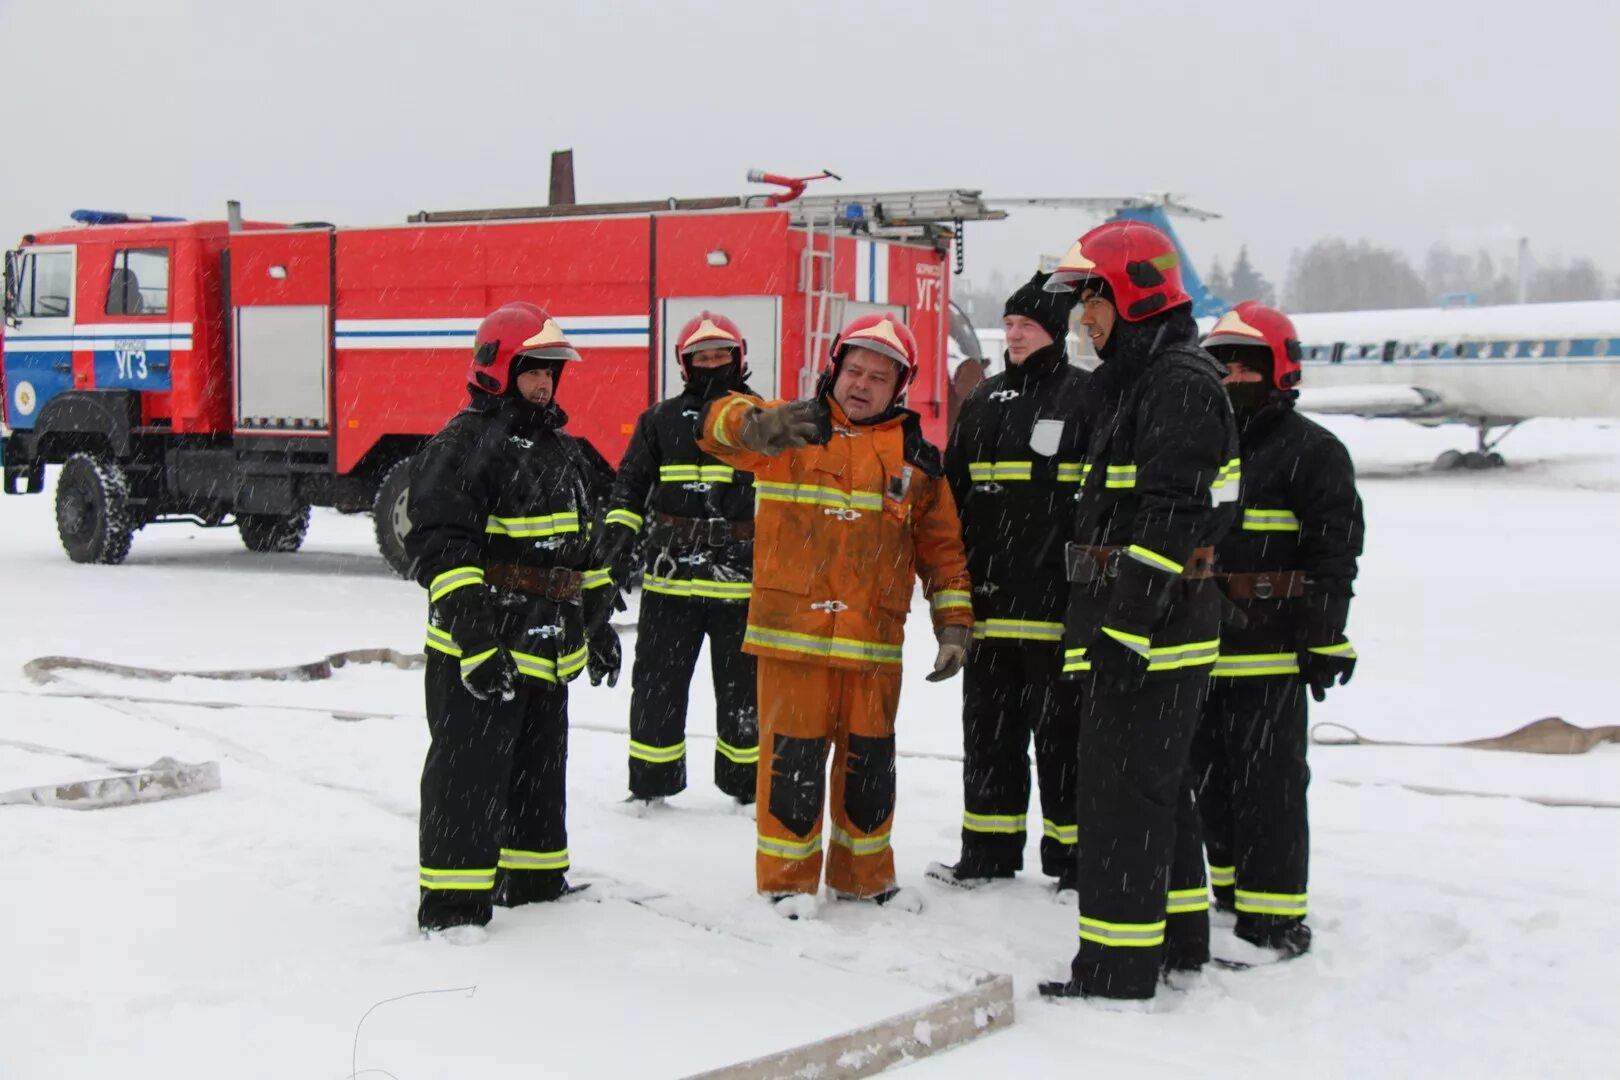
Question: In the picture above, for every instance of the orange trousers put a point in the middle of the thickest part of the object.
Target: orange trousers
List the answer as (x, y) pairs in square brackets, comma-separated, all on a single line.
[(805, 708)]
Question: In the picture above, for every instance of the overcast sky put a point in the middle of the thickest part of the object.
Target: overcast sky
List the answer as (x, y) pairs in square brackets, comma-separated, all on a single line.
[(1467, 121)]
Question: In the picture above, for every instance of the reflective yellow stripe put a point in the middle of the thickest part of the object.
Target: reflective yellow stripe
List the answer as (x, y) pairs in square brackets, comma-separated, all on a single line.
[(548, 670), (1225, 487), (1266, 903), (1167, 657), (1063, 834), (949, 599), (817, 495), (628, 518), (513, 859), (1270, 521), (1232, 666), (739, 755), (1070, 472), (451, 580), (657, 755), (701, 587), (1153, 558), (1075, 660), (1134, 642), (980, 471), (596, 579), (1192, 654), (1120, 476), (860, 845), (712, 474), (431, 878), (1186, 901), (1222, 875), (811, 645), (544, 525), (993, 823), (788, 849), (1343, 648), (718, 428), (1022, 629), (470, 662), (441, 641), (1126, 935)]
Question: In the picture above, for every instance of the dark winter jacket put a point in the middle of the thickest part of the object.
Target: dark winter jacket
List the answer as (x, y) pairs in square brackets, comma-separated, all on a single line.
[(1162, 481), (1299, 511), (664, 474), (505, 484), (1014, 462)]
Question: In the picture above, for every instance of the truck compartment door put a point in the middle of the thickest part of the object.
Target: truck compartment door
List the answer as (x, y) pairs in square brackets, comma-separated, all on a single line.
[(281, 331)]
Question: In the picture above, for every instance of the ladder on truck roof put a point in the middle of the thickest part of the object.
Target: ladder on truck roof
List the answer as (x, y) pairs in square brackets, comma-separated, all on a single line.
[(891, 213)]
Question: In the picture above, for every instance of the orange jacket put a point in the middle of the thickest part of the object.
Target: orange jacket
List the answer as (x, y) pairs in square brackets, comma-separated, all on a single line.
[(840, 531)]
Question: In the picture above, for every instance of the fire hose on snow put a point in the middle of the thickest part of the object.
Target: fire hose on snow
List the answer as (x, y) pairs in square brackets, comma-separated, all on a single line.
[(169, 779)]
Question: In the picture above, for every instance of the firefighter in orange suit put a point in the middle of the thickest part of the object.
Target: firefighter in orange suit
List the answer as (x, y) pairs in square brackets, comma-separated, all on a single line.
[(852, 504)]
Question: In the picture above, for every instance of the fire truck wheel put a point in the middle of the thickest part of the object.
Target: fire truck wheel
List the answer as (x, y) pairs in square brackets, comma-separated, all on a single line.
[(388, 512), (92, 510), (273, 532)]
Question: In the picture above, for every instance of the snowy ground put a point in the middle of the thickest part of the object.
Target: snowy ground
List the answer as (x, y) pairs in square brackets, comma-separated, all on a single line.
[(246, 933)]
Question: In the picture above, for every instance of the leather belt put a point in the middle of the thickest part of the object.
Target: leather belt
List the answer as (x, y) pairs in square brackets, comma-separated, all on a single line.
[(553, 583), (715, 532), (1088, 562), (1267, 585)]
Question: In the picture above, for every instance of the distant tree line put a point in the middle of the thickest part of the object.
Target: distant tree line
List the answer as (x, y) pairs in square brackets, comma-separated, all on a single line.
[(1339, 275)]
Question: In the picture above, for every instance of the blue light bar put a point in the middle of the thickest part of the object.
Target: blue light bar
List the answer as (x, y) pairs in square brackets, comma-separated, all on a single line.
[(115, 217)]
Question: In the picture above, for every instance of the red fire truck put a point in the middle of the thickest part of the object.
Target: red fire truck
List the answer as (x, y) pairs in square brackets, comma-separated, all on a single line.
[(238, 372)]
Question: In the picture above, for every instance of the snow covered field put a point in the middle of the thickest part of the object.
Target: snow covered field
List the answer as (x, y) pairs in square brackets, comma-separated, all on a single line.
[(245, 933)]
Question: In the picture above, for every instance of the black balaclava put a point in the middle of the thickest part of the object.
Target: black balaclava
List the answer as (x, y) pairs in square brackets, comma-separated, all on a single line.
[(1250, 397), (1050, 310), (705, 383), (522, 409), (1131, 344)]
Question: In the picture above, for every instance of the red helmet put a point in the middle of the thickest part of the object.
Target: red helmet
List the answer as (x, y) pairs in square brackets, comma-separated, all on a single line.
[(1139, 263), (515, 329), (885, 335), (709, 330), (1252, 323)]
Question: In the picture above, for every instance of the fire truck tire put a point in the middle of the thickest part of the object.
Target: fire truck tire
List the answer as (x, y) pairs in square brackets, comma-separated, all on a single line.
[(273, 532), (389, 514), (93, 517)]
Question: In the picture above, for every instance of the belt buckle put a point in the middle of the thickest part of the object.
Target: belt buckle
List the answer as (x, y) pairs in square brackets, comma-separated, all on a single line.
[(1262, 587), (1110, 567)]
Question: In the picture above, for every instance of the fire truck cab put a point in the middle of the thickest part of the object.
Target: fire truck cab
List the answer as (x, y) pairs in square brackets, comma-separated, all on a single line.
[(237, 373)]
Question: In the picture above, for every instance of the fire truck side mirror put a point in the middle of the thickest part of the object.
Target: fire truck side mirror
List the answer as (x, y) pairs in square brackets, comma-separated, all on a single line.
[(11, 287)]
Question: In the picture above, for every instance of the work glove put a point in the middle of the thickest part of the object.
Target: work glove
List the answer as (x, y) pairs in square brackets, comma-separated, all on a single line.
[(1325, 654), (786, 427), (493, 677), (605, 657), (953, 642), (1115, 662), (1321, 670), (470, 615)]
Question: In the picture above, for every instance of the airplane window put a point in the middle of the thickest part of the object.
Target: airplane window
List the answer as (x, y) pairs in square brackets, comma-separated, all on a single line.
[(1601, 347), (1564, 347), (1537, 348)]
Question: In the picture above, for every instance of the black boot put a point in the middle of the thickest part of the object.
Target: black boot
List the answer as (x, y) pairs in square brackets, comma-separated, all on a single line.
[(1287, 934), (531, 887), (965, 874)]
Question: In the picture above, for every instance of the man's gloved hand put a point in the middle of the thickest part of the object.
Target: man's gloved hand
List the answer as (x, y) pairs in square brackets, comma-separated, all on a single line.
[(605, 657), (1321, 670), (469, 615), (490, 676), (953, 642), (1116, 662), (786, 427)]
